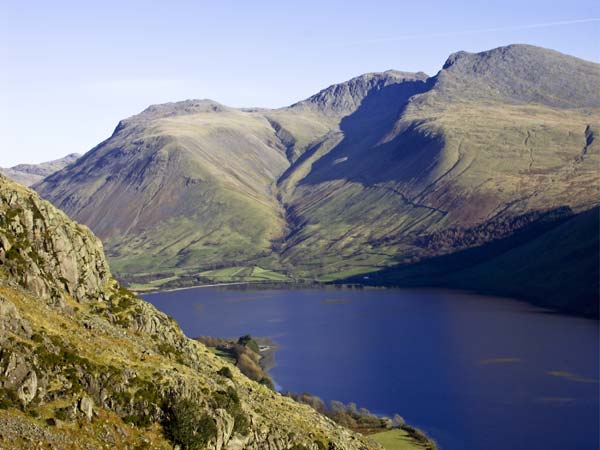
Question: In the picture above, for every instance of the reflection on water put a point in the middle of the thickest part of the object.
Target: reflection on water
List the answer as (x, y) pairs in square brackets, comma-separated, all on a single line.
[(477, 373)]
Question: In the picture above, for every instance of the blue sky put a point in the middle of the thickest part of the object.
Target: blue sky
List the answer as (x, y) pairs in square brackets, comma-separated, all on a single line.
[(69, 71)]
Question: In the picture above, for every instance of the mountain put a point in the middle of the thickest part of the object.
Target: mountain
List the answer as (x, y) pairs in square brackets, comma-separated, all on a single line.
[(553, 262), (385, 169), (29, 174), (84, 363)]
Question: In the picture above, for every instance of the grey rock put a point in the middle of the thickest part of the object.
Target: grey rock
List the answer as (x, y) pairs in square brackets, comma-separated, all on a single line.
[(86, 406), (28, 388)]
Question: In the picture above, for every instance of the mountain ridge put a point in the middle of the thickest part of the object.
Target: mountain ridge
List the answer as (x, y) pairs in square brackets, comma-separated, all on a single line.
[(349, 181), (29, 174)]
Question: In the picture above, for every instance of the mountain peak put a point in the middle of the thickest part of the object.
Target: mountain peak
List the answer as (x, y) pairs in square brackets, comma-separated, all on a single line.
[(182, 108), (521, 73), (344, 98)]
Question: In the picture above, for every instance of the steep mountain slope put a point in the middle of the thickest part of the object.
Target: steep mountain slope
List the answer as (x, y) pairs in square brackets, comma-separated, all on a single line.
[(84, 363), (553, 262), (193, 184), (178, 184), (29, 174), (383, 169)]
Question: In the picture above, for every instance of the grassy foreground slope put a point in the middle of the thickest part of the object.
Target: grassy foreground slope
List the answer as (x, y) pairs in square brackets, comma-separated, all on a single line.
[(85, 363)]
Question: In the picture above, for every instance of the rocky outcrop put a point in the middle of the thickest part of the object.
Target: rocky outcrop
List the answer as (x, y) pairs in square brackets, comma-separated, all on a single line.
[(44, 251)]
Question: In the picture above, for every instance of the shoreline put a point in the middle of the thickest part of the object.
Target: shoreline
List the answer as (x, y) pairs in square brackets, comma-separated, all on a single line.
[(544, 309)]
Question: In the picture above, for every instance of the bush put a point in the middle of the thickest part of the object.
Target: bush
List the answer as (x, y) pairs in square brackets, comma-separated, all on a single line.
[(247, 341), (188, 426), (8, 399), (225, 372), (139, 420), (266, 381), (63, 413), (230, 402)]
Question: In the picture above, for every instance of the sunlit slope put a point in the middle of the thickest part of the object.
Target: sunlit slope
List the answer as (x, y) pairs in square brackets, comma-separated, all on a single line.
[(178, 185)]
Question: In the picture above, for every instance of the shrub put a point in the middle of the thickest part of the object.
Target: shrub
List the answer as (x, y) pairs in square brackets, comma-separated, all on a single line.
[(188, 426), (247, 341), (8, 398), (139, 420), (225, 372), (230, 402), (63, 413), (266, 381)]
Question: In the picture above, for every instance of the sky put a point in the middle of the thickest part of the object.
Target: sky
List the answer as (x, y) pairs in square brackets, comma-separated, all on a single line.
[(69, 71)]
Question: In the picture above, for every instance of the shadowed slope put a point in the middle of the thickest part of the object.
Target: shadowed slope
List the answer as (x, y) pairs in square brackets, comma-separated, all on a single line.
[(553, 262)]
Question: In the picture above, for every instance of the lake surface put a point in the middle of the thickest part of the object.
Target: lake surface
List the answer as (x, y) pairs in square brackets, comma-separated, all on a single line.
[(476, 373)]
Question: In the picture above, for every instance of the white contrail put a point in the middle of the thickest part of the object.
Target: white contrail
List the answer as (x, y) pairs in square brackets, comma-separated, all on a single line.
[(407, 37)]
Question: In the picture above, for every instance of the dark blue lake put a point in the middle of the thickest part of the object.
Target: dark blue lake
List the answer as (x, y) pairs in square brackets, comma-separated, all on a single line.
[(474, 372)]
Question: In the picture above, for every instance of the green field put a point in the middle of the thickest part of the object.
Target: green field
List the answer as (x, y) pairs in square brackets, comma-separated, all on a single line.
[(397, 439)]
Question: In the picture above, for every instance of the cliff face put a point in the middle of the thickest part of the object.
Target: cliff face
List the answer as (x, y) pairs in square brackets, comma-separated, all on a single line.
[(44, 251), (83, 362)]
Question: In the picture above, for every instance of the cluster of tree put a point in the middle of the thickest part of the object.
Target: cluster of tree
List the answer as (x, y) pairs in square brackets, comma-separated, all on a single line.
[(457, 238), (350, 416), (245, 351)]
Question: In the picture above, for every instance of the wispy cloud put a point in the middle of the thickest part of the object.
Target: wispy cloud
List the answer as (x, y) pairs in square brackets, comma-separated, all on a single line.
[(133, 84), (408, 37)]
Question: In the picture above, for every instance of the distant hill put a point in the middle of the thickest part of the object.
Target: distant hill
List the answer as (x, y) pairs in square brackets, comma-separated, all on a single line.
[(383, 170), (29, 174)]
